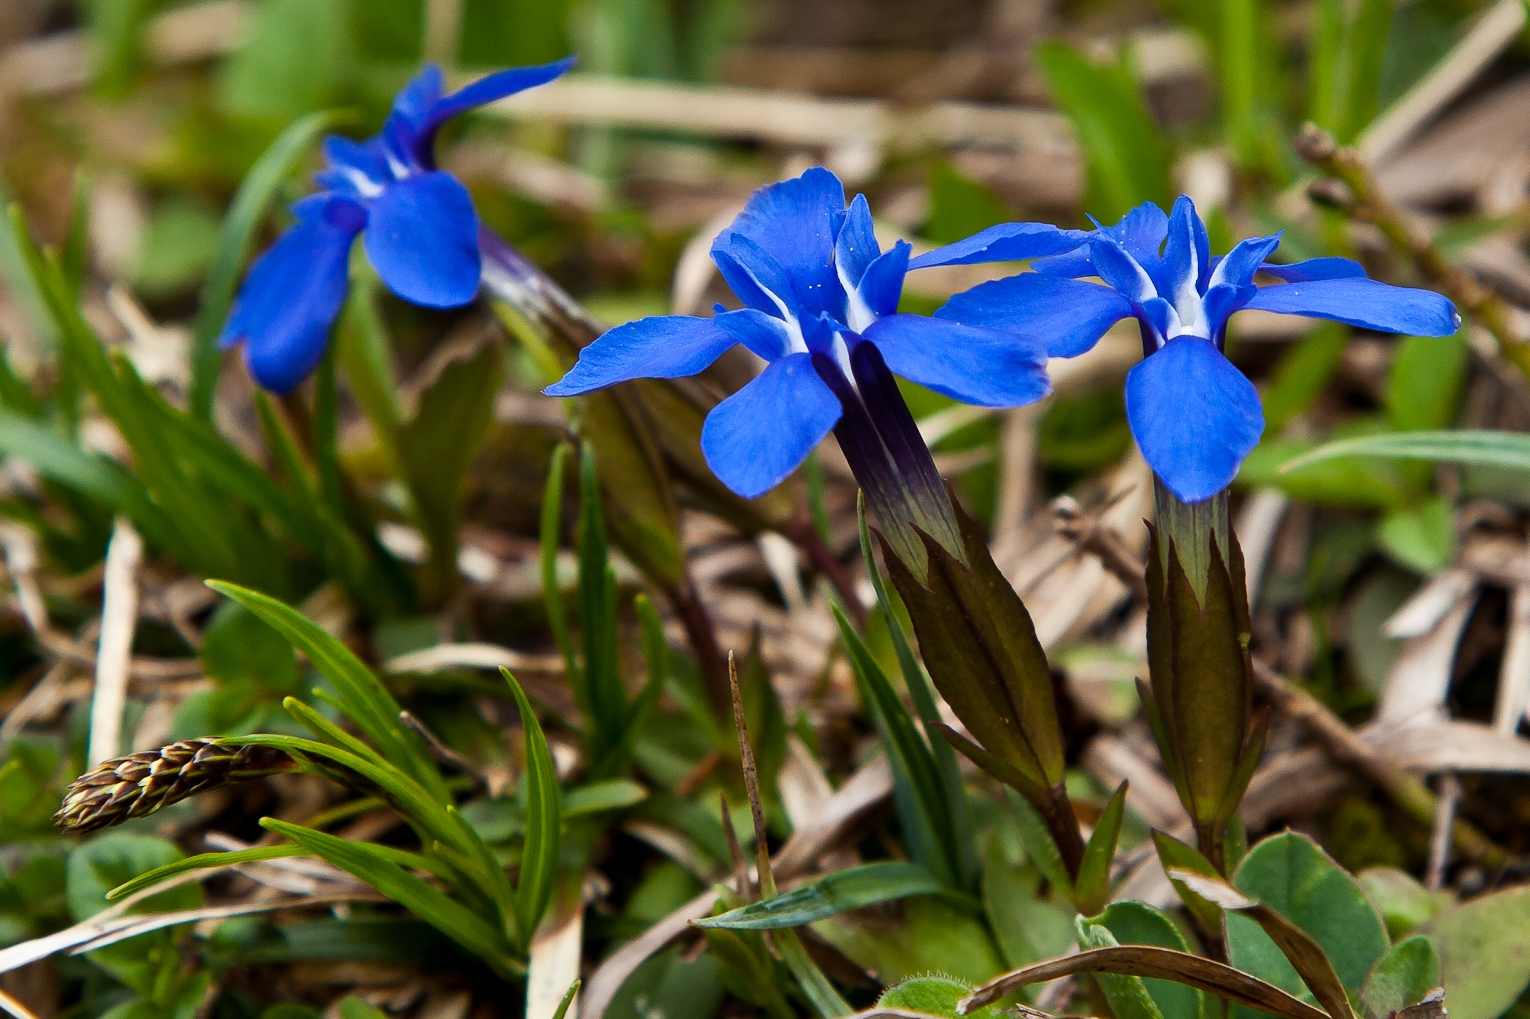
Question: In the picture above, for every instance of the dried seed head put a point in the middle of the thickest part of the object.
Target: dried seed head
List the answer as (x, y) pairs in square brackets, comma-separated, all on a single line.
[(141, 783)]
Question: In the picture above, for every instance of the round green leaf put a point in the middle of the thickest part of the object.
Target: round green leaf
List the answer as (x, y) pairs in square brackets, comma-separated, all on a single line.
[(1484, 949)]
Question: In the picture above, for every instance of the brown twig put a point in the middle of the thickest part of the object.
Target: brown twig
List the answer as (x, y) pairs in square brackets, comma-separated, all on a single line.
[(1363, 199), (1444, 820)]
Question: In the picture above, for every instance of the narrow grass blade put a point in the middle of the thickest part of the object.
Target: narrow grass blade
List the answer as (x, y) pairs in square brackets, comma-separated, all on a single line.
[(539, 858), (1508, 450), (962, 843), (835, 893), (426, 901), (916, 784)]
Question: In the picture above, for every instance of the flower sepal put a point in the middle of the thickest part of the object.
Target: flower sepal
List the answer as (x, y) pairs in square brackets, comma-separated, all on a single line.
[(1199, 703), (980, 646)]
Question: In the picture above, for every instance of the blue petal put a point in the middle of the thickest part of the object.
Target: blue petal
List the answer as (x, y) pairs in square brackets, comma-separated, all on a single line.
[(1180, 275), (487, 90), (422, 238), (1007, 242), (355, 168), (1238, 267), (1068, 316), (755, 438), (1364, 303), (661, 347), (1221, 302), (291, 296), (1141, 232), (416, 99), (856, 246), (882, 284), (755, 276), (1120, 270), (1330, 268), (795, 222), (967, 363), (765, 335), (1194, 415)]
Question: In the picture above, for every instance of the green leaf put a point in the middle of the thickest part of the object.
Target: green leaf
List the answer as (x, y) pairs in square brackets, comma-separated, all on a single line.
[(237, 645), (236, 237), (1292, 466), (1367, 54), (960, 206), (1092, 890), (1421, 538), (1510, 450), (601, 695), (598, 797), (1137, 923), (1302, 374), (436, 448), (1484, 949), (539, 858), (568, 1000), (202, 862), (365, 699), (1402, 902), (1171, 854), (1127, 157), (933, 996), (1408, 971), (354, 1008), (435, 907), (297, 57), (366, 353), (1293, 876), (917, 787), (1424, 387), (1128, 995), (851, 888), (103, 864), (1027, 926), (91, 475), (552, 592), (1039, 844)]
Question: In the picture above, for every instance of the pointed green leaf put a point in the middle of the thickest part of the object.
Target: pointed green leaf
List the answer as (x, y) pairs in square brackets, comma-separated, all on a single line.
[(917, 787), (851, 888), (366, 700), (960, 841), (1128, 995), (1092, 890), (1137, 923), (427, 902), (539, 858)]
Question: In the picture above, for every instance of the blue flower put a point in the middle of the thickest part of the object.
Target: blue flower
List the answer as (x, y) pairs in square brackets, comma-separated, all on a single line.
[(1194, 415), (816, 286), (421, 230)]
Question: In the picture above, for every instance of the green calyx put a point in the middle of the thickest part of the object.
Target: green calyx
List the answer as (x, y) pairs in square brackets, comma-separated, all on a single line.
[(981, 650), (1200, 701)]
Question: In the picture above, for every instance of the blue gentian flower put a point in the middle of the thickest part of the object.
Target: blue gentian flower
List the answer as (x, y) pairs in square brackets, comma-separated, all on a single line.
[(817, 291), (1194, 415), (421, 231)]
